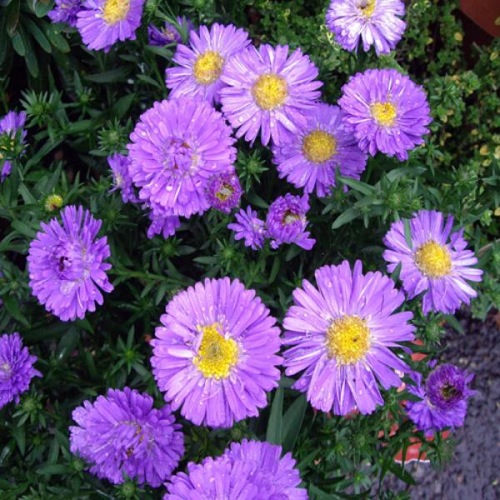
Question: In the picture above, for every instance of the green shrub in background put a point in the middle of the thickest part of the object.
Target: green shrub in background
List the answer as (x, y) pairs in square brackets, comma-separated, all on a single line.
[(81, 107)]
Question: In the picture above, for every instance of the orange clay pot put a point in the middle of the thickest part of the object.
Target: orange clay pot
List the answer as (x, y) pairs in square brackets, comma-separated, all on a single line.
[(484, 13)]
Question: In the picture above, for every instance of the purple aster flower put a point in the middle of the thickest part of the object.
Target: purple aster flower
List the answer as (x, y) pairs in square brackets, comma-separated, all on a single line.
[(216, 353), (103, 22), (65, 11), (340, 335), (444, 399), (166, 225), (176, 147), (435, 262), (286, 222), (12, 137), (224, 191), (376, 22), (169, 33), (200, 66), (66, 264), (249, 227), (385, 111), (245, 471), (6, 169), (121, 435), (269, 91), (317, 150), (16, 368), (119, 165)]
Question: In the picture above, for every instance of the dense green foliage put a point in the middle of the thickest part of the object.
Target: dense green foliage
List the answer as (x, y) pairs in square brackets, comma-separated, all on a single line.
[(81, 107)]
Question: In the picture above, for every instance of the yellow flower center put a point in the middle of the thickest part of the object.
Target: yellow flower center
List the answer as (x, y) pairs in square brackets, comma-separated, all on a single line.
[(208, 67), (347, 339), (290, 217), (384, 112), (224, 193), (433, 259), (216, 355), (319, 146), (115, 10), (270, 91), (367, 7), (53, 202)]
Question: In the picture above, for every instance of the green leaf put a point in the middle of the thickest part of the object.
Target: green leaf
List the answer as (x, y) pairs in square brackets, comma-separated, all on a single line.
[(292, 422), (454, 323), (12, 305), (275, 425), (349, 215), (12, 16), (113, 75), (54, 470), (121, 107), (38, 35), (24, 229), (20, 436), (53, 33), (18, 44), (362, 187)]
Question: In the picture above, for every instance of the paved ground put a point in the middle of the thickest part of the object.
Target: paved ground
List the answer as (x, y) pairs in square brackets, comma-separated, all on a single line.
[(473, 472)]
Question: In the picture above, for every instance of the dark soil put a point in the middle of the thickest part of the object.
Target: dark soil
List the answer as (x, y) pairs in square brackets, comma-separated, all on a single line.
[(473, 471)]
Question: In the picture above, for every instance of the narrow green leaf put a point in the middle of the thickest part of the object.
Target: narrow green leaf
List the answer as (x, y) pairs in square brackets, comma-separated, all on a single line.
[(38, 35), (113, 75), (292, 422), (275, 425), (346, 217), (20, 436), (362, 187)]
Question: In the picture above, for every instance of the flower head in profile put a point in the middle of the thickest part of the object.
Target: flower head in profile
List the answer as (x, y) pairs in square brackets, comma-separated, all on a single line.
[(340, 335), (443, 399), (16, 368), (65, 11), (12, 137), (119, 165), (121, 435), (224, 191), (269, 91), (249, 227), (216, 353), (169, 33), (166, 225), (286, 222), (385, 111), (375, 22), (199, 66), (246, 471), (311, 158), (104, 22), (177, 146), (66, 264), (434, 261)]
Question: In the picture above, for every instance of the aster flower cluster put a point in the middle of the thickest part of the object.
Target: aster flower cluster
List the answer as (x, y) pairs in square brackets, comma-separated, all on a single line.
[(181, 159), (169, 33), (216, 354), (121, 435), (434, 261), (245, 471), (66, 264), (443, 399), (374, 22), (285, 223), (340, 335), (16, 368), (101, 23), (12, 137)]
